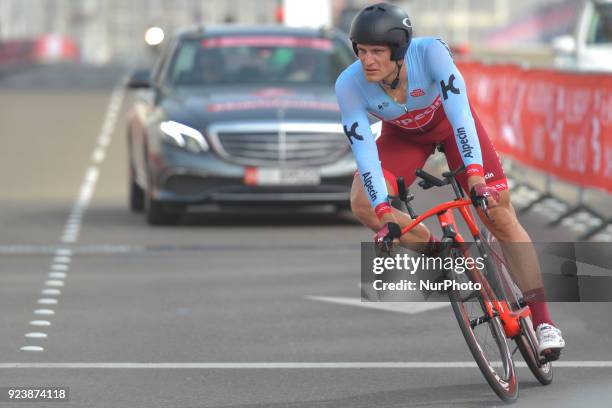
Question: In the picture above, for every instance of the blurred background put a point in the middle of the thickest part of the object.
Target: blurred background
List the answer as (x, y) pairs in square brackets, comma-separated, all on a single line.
[(101, 31)]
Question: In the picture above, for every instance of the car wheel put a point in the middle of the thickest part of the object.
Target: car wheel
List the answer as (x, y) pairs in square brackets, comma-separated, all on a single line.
[(136, 194), (160, 214)]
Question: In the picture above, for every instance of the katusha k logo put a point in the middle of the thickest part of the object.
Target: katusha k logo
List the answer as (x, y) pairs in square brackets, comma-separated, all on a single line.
[(450, 87), (352, 134)]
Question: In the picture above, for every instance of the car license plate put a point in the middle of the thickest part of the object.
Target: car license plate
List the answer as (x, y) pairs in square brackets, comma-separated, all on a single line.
[(263, 176)]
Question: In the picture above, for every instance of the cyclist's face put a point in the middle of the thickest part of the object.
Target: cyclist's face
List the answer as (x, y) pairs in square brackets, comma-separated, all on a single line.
[(376, 61)]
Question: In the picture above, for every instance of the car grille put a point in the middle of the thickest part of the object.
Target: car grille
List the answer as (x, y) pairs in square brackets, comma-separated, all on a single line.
[(292, 147)]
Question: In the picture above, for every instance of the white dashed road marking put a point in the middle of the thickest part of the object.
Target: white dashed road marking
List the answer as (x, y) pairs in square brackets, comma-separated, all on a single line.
[(32, 348), (47, 301), (36, 335), (47, 312), (40, 323), (63, 256)]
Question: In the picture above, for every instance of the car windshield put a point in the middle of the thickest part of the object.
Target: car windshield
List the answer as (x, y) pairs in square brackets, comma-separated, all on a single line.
[(271, 60), (601, 25)]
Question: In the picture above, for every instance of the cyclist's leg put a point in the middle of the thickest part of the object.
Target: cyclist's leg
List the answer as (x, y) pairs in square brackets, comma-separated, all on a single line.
[(399, 157), (504, 225)]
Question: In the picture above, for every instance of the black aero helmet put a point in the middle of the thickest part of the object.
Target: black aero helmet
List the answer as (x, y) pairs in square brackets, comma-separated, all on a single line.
[(380, 24)]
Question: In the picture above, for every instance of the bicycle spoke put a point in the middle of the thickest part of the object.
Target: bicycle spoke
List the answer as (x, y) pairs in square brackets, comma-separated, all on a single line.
[(489, 343), (478, 321)]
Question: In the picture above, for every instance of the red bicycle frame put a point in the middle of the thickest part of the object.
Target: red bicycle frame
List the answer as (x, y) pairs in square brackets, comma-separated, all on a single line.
[(494, 306)]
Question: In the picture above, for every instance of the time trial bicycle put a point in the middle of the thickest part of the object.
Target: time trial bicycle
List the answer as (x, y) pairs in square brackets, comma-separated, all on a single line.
[(494, 316)]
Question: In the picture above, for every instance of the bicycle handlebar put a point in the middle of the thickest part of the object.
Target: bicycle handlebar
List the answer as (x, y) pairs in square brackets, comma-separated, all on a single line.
[(401, 188), (405, 196), (428, 181), (431, 179), (453, 173)]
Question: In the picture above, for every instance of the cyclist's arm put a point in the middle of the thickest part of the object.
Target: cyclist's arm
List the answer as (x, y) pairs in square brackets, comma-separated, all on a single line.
[(357, 129), (457, 107)]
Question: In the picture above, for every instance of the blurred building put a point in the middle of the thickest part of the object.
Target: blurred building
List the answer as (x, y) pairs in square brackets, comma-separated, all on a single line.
[(114, 29), (107, 30), (477, 21)]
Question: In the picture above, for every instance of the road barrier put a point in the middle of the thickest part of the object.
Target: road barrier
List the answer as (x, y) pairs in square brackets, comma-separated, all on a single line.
[(558, 123)]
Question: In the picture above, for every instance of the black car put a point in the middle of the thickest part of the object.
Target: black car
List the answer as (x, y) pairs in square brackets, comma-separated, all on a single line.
[(235, 115)]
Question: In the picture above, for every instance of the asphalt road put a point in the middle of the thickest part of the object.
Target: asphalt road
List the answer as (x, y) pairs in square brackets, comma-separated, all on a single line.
[(225, 310)]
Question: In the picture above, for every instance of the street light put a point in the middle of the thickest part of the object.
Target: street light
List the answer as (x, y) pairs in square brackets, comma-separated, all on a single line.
[(154, 36)]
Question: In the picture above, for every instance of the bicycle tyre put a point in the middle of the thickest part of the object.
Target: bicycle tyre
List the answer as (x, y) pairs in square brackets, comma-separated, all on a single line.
[(506, 388), (542, 372)]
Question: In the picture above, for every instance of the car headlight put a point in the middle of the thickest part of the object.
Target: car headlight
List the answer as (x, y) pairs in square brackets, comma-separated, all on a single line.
[(184, 136)]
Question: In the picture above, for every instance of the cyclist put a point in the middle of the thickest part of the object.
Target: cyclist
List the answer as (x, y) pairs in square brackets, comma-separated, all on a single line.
[(414, 87)]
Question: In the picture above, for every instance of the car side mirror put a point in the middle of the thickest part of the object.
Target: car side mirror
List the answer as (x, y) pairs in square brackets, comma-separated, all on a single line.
[(564, 45), (141, 78)]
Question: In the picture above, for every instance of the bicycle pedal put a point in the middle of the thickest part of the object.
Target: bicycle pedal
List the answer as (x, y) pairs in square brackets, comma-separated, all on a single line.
[(551, 355)]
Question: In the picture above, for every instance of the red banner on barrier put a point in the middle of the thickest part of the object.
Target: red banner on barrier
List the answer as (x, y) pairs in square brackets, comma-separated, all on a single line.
[(557, 122)]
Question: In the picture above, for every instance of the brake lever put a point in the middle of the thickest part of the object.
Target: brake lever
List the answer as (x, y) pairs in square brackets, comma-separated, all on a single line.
[(458, 170), (387, 245), (484, 207), (384, 249)]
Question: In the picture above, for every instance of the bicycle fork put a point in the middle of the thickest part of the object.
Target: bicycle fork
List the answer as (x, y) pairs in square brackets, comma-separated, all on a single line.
[(493, 307)]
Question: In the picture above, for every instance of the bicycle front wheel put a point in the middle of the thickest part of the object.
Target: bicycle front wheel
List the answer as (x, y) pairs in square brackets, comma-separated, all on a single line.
[(542, 370), (483, 334)]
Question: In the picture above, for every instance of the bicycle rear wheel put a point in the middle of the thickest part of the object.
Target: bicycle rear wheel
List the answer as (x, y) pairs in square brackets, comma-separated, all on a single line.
[(543, 372), (484, 335)]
